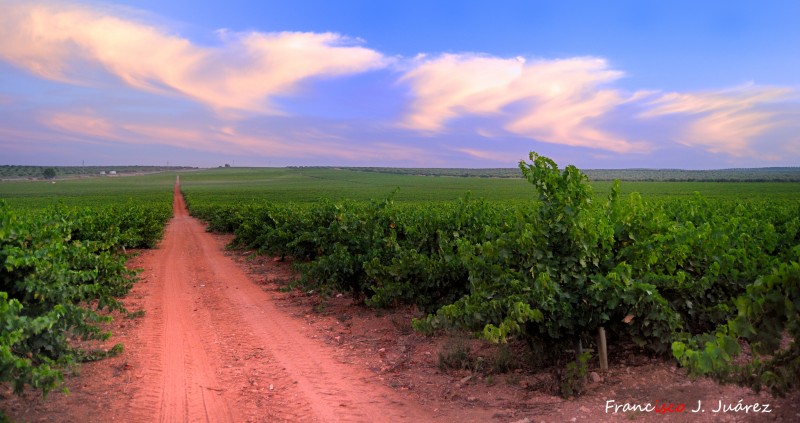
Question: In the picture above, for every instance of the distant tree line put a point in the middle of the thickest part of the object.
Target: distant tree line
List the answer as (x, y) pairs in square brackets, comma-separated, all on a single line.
[(50, 172)]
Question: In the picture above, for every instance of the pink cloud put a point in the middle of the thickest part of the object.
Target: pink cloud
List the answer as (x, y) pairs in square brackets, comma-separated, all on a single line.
[(554, 101), (495, 156), (220, 137), (92, 127), (85, 124), (451, 85), (727, 121), (59, 41)]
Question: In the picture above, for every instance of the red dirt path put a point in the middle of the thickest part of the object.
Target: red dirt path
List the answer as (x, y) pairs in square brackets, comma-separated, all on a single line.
[(215, 346), (216, 349)]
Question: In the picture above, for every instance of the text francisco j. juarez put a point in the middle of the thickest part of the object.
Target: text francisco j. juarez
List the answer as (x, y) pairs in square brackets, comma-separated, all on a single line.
[(667, 408)]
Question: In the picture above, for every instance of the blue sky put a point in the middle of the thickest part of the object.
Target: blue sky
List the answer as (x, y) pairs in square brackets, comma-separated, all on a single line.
[(611, 84)]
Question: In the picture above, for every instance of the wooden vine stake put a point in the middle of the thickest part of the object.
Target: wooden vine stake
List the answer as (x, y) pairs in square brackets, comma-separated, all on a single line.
[(601, 344)]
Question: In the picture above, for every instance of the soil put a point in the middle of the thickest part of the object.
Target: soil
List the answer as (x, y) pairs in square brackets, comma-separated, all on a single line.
[(221, 340)]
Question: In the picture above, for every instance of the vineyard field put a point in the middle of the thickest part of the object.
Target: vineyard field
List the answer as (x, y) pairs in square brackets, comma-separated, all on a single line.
[(676, 268), (95, 191), (302, 185), (685, 269), (308, 185)]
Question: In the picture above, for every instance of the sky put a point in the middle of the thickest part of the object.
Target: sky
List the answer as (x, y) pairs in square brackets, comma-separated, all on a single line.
[(598, 84)]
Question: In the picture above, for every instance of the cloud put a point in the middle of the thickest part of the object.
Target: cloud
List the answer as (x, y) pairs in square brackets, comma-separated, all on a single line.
[(572, 102), (86, 124), (451, 85), (60, 41), (558, 101), (494, 156), (735, 121), (302, 140), (89, 125)]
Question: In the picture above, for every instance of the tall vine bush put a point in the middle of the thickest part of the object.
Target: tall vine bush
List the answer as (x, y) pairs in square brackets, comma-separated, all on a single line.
[(551, 276)]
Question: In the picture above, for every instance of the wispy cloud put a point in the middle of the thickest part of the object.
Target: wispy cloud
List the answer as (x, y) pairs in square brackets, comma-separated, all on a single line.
[(222, 138), (59, 41), (733, 121), (555, 101), (188, 135), (86, 123), (451, 85), (494, 156)]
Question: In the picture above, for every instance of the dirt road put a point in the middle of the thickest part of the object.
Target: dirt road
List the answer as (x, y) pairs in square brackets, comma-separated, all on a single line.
[(214, 348)]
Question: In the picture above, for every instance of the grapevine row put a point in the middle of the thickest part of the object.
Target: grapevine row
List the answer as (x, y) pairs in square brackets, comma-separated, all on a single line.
[(59, 269)]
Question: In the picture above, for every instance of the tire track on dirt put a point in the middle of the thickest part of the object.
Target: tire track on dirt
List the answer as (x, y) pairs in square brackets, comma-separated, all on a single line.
[(177, 369), (214, 347)]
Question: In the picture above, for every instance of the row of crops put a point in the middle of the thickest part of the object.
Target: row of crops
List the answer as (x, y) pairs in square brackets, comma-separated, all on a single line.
[(702, 280), (63, 267)]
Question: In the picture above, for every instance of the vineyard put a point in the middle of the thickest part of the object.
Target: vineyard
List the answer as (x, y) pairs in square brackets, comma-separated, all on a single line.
[(63, 269), (709, 280), (702, 280)]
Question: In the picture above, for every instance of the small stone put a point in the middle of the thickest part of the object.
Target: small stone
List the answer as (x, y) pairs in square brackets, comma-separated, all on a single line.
[(271, 387), (595, 377), (525, 420), (583, 409), (471, 399)]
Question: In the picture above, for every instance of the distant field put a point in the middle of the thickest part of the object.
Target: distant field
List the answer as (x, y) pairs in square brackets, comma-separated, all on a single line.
[(305, 185), (88, 191), (311, 184), (13, 172), (770, 174)]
